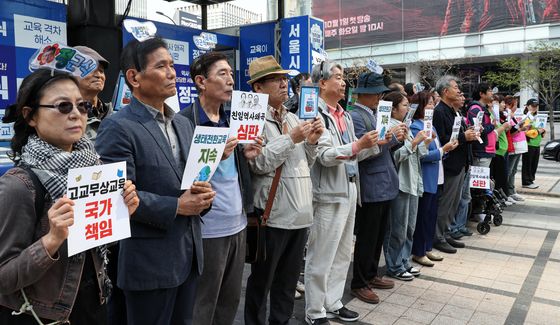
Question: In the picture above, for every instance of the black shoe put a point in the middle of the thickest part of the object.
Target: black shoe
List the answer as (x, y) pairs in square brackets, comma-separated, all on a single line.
[(445, 247), (344, 314), (455, 243), (456, 234), (466, 232)]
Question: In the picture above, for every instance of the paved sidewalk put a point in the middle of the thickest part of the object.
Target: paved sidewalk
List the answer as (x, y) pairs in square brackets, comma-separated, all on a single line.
[(509, 276)]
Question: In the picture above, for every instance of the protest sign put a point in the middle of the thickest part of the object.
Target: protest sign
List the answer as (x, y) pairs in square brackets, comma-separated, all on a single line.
[(478, 124), (456, 128), (308, 102), (496, 112), (248, 113), (383, 117), (540, 120), (480, 177), (100, 214), (428, 117), (205, 154), (410, 114), (63, 58)]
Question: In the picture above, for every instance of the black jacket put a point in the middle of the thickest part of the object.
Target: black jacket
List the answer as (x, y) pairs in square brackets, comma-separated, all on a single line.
[(461, 157)]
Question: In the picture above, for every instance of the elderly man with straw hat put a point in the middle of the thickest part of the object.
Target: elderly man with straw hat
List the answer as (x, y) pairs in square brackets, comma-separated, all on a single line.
[(289, 151)]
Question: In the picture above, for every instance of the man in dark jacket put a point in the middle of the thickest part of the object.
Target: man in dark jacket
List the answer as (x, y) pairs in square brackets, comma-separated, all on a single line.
[(223, 230), (372, 215), (159, 264), (454, 164)]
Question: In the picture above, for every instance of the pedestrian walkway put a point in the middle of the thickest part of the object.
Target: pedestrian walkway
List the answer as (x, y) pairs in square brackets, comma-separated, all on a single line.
[(509, 276), (547, 177)]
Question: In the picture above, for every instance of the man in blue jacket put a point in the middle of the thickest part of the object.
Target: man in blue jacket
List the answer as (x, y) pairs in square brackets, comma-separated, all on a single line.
[(379, 183), (159, 264)]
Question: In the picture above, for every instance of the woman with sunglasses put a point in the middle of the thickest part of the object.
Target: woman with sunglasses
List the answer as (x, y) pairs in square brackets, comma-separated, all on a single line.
[(39, 283)]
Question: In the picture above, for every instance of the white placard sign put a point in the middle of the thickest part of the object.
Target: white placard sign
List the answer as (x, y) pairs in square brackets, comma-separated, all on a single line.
[(480, 177), (100, 214), (248, 114), (428, 118), (383, 118), (205, 154), (456, 129), (410, 114), (540, 121)]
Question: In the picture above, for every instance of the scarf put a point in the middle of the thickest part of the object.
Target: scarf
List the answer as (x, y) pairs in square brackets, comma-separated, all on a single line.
[(51, 164)]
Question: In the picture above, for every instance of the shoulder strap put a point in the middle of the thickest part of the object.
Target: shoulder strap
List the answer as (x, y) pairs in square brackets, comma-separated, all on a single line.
[(366, 119), (40, 192), (274, 186), (326, 118)]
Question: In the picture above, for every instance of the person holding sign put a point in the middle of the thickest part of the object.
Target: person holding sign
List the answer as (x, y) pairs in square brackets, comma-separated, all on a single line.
[(432, 180), (454, 165), (484, 151), (517, 145), (403, 209), (335, 195), (530, 159), (158, 266), (289, 151), (498, 165), (372, 215), (223, 230), (36, 275)]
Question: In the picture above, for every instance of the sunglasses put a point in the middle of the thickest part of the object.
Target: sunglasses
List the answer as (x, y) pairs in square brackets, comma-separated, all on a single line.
[(67, 107)]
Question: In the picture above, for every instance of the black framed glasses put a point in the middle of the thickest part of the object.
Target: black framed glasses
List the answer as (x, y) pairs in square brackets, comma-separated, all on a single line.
[(276, 79), (67, 107)]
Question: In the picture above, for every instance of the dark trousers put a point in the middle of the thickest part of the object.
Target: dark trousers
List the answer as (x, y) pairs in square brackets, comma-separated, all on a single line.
[(116, 306), (425, 224), (170, 306), (530, 161), (499, 172), (219, 286), (278, 274), (370, 227)]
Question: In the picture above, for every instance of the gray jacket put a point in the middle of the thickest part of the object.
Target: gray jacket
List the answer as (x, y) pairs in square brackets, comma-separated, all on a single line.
[(330, 179), (292, 207), (408, 165)]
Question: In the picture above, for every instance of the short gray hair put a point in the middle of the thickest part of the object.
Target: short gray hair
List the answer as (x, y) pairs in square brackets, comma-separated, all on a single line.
[(325, 69), (444, 83)]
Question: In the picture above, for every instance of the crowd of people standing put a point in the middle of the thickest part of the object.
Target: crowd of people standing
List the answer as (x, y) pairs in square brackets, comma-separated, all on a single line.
[(322, 182)]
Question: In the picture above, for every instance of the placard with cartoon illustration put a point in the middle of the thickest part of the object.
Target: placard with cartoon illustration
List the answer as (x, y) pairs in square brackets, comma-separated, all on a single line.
[(248, 114), (205, 154), (63, 58), (540, 121), (308, 102), (100, 214), (410, 114), (383, 118)]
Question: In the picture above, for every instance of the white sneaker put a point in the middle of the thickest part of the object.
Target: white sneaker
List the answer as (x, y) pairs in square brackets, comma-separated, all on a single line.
[(517, 197), (531, 186), (300, 287), (508, 203), (511, 200), (297, 295)]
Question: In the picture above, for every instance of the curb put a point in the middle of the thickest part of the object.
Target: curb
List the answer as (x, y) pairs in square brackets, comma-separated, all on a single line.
[(555, 195)]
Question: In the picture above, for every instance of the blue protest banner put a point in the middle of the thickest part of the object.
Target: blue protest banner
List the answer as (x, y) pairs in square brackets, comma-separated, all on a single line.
[(185, 45), (24, 27), (255, 41), (302, 43)]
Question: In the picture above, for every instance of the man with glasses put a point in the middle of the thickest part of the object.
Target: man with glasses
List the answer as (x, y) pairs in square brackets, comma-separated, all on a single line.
[(335, 194), (158, 266), (289, 150)]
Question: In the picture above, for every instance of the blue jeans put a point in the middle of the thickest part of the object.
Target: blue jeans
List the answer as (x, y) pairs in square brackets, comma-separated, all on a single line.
[(461, 216), (400, 231)]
